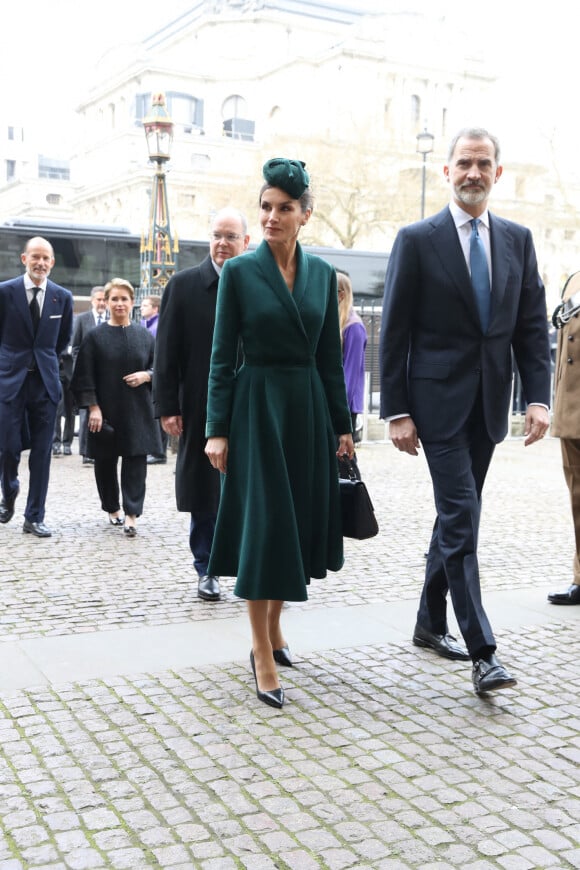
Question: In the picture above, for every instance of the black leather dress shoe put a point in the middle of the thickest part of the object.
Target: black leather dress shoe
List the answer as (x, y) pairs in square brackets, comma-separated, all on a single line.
[(443, 644), (156, 460), (273, 697), (56, 450), (7, 507), (571, 595), (67, 450), (88, 461), (39, 530), (209, 588), (282, 657), (490, 675)]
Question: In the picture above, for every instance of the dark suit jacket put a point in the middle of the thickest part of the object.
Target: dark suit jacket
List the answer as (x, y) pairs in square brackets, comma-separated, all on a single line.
[(83, 324), (434, 356), (180, 376), (20, 349)]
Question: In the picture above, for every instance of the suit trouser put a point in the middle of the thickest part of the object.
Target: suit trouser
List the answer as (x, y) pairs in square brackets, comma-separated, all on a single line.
[(64, 428), (31, 415), (571, 465), (201, 532), (458, 468), (133, 477)]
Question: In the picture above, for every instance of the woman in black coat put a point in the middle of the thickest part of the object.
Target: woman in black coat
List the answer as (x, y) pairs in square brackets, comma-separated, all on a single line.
[(112, 378)]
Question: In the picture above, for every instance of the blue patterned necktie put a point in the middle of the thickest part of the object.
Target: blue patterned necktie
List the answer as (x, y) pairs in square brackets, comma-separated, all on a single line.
[(479, 274)]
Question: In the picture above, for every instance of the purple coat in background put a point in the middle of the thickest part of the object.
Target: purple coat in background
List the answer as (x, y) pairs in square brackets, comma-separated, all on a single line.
[(151, 324), (354, 342)]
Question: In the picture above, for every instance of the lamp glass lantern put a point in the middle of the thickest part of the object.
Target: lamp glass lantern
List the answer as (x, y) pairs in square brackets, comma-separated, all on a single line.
[(425, 142), (158, 130)]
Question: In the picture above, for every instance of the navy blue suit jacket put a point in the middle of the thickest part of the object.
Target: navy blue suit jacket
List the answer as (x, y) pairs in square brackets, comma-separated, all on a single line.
[(434, 356), (20, 349)]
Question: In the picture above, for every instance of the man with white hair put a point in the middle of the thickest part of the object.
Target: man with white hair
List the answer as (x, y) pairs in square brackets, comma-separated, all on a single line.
[(181, 371)]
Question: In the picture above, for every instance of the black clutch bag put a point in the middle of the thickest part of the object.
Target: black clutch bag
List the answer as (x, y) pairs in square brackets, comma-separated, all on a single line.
[(358, 514), (102, 443)]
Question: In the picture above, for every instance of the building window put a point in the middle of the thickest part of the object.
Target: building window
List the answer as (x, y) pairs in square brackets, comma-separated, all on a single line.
[(53, 198), (236, 124), (142, 106), (11, 133), (186, 111), (10, 170), (57, 170)]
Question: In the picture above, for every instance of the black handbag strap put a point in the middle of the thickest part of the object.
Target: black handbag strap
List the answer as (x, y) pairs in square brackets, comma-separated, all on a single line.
[(349, 465)]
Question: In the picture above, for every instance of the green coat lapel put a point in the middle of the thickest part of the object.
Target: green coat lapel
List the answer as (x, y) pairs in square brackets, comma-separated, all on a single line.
[(272, 273)]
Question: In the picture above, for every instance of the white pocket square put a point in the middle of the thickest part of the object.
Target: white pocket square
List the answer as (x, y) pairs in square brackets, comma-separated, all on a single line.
[(55, 317)]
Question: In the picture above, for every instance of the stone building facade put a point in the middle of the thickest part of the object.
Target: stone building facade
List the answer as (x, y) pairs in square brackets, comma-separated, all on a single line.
[(345, 90)]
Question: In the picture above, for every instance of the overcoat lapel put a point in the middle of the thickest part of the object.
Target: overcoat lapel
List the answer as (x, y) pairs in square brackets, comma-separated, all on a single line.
[(274, 278), (50, 307), (448, 249), (21, 303), (501, 252)]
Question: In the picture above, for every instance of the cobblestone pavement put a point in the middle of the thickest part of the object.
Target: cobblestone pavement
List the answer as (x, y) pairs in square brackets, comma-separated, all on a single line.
[(382, 757)]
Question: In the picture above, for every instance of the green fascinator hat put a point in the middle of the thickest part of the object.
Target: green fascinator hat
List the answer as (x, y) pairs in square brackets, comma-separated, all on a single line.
[(289, 175)]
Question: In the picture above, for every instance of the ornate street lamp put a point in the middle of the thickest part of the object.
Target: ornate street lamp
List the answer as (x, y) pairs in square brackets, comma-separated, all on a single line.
[(424, 147), (159, 249)]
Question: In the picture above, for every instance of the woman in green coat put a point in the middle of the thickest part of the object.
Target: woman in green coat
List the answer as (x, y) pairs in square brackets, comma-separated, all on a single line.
[(272, 424)]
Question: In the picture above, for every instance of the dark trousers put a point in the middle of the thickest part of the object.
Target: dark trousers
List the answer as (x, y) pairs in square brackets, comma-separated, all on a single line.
[(201, 531), (64, 427), (133, 476), (458, 469), (28, 421), (571, 465), (83, 430)]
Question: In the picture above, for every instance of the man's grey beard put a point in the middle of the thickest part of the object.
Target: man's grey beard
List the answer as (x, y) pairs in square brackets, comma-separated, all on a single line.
[(471, 196)]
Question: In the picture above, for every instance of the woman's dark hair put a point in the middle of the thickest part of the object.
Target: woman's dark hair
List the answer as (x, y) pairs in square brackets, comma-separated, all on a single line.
[(306, 200)]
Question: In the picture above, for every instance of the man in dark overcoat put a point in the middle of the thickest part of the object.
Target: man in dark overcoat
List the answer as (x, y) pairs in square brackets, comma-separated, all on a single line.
[(462, 292), (36, 318), (181, 371)]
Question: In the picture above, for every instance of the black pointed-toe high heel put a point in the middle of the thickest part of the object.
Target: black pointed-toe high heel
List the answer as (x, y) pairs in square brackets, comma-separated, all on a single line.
[(274, 697), (282, 657)]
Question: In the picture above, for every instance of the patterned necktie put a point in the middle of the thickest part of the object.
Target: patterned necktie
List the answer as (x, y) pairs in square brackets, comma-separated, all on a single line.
[(99, 319), (479, 274), (35, 309)]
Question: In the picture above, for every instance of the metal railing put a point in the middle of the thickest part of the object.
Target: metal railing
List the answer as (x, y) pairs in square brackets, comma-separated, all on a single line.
[(371, 312)]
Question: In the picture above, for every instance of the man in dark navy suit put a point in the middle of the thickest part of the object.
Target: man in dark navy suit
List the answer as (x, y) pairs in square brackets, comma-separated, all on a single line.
[(462, 292), (35, 328)]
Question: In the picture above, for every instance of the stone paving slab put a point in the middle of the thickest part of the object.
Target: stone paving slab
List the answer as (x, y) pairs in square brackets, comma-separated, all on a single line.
[(35, 662)]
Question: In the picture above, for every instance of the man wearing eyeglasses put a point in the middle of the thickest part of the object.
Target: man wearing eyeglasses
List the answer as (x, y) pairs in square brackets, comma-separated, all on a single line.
[(181, 371)]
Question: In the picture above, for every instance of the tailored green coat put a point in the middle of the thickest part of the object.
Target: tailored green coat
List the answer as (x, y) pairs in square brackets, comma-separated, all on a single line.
[(279, 520)]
